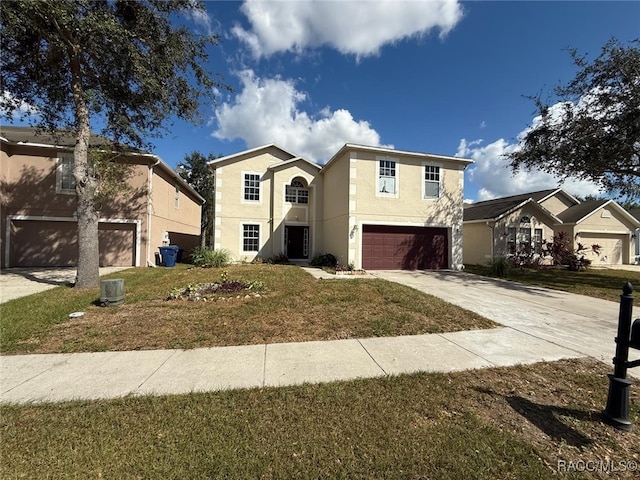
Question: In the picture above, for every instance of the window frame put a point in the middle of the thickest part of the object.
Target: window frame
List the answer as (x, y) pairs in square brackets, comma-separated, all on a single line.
[(425, 167), (62, 160), (380, 160), (246, 237), (246, 193), (294, 193)]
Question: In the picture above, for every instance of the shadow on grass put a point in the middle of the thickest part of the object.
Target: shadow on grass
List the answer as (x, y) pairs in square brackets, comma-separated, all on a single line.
[(548, 418)]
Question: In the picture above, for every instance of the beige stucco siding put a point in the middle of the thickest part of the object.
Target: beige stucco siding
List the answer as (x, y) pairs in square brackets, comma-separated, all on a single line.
[(233, 211), (609, 229), (291, 213), (407, 205), (339, 181), (557, 203), (477, 238)]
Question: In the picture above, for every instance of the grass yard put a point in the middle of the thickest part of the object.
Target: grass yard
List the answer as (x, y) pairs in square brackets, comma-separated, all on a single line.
[(525, 422), (292, 306), (599, 283)]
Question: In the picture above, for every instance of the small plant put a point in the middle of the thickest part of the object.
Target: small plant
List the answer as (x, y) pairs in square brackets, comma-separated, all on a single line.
[(324, 260), (212, 291), (500, 266), (207, 257)]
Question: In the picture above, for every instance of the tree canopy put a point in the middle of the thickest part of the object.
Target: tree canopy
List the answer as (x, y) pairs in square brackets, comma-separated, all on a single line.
[(122, 65), (592, 129), (195, 170)]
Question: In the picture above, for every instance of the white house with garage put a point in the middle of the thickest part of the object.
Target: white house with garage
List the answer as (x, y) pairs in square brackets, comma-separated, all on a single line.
[(372, 207)]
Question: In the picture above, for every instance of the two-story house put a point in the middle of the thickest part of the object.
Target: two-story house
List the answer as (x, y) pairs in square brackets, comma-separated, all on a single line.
[(38, 223), (509, 225), (372, 207)]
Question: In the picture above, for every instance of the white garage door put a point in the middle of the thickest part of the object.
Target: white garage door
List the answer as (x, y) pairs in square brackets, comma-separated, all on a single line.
[(614, 249)]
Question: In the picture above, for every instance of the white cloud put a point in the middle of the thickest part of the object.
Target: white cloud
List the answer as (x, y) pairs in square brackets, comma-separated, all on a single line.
[(268, 111), (358, 28), (200, 17), (492, 173), (16, 108)]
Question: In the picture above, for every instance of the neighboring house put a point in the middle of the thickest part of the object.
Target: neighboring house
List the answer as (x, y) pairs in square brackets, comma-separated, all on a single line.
[(636, 214), (514, 224), (371, 207), (38, 226)]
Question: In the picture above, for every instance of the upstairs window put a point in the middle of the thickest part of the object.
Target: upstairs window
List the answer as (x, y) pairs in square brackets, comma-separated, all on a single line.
[(296, 193), (65, 181), (387, 177), (431, 181), (251, 187), (176, 197)]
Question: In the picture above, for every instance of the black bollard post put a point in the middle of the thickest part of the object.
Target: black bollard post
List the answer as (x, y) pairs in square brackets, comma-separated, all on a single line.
[(617, 411)]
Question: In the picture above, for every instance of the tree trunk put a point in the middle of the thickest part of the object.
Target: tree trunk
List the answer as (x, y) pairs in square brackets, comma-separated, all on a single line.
[(88, 273)]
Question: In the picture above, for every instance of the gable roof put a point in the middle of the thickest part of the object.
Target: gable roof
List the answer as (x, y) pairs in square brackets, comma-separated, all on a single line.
[(582, 211), (286, 163), (234, 156), (65, 140), (499, 207)]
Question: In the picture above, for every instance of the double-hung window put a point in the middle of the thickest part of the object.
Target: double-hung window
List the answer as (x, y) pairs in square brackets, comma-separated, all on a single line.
[(65, 181), (387, 177), (432, 181), (250, 237), (251, 190), (537, 240)]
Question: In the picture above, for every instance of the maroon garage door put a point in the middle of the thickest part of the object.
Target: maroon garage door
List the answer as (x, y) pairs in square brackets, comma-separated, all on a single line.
[(386, 247)]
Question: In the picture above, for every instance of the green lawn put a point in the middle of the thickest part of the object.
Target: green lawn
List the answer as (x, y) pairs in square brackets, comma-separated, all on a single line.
[(289, 306), (503, 423), (599, 283)]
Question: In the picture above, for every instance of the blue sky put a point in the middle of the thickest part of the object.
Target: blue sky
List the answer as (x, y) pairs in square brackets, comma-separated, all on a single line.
[(443, 77)]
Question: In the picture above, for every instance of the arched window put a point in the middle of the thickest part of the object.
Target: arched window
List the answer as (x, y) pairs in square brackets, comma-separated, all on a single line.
[(296, 192)]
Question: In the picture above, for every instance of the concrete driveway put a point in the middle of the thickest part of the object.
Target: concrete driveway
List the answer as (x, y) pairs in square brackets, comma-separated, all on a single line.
[(20, 282), (583, 324)]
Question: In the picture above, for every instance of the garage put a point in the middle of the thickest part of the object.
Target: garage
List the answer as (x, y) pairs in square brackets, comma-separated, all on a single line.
[(393, 247), (614, 249), (44, 243)]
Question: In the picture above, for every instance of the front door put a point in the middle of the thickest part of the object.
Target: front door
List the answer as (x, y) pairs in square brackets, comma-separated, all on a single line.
[(297, 242)]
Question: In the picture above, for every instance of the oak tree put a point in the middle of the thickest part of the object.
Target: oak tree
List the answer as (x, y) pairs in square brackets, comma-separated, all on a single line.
[(126, 66), (591, 129)]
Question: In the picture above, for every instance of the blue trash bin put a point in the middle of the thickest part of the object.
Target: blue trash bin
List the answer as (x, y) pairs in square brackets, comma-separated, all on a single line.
[(169, 255)]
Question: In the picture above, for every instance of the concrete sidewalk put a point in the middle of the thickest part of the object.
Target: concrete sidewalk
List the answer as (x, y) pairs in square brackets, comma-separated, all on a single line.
[(60, 377)]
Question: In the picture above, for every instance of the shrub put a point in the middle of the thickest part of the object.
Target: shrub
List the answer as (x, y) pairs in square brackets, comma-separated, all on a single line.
[(324, 260), (280, 259), (500, 266), (207, 257)]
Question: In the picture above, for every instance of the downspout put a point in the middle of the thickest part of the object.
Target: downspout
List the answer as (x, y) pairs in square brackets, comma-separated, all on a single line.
[(149, 211)]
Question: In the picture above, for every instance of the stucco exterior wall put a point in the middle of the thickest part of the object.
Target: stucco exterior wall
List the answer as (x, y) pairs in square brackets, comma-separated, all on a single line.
[(477, 238), (232, 211), (407, 205), (41, 218), (173, 210), (338, 191), (294, 214), (608, 228), (557, 203)]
